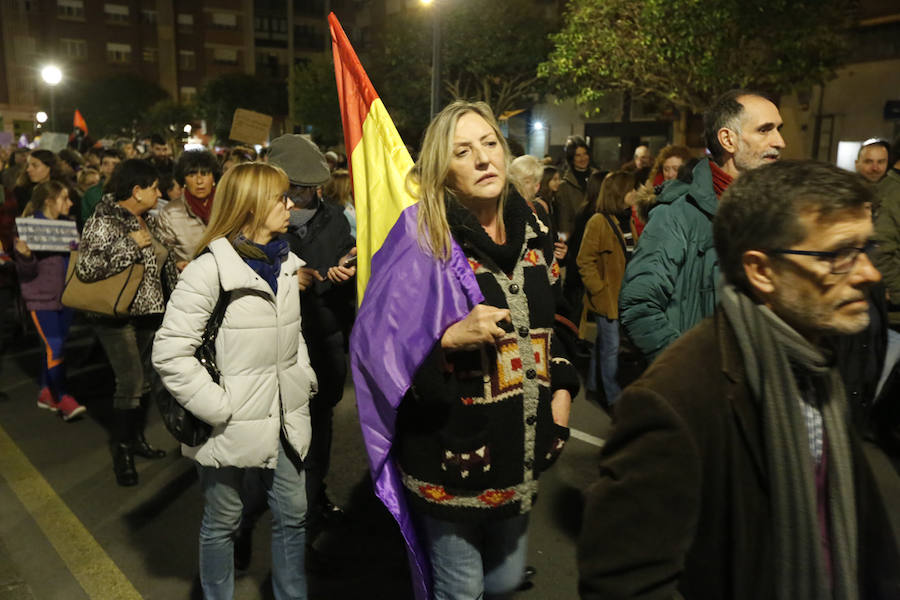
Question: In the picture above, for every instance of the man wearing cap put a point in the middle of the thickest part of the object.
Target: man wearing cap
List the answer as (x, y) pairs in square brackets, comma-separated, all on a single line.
[(319, 234)]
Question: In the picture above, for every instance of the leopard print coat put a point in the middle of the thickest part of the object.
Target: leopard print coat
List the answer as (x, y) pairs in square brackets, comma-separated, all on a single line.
[(106, 249)]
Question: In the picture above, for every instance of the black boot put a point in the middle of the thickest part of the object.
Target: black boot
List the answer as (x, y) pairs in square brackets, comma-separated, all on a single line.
[(123, 458), (139, 445)]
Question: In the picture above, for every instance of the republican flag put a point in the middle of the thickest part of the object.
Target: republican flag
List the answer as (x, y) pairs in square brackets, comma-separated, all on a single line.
[(379, 161), (411, 297)]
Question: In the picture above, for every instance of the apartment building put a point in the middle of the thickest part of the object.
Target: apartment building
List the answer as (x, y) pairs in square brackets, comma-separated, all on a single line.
[(178, 44)]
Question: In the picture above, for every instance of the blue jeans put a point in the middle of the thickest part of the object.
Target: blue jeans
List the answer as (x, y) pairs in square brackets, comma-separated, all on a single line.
[(605, 355), (286, 494), (470, 561)]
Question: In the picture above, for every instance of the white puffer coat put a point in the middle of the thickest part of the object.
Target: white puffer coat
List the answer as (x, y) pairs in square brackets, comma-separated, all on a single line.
[(266, 379)]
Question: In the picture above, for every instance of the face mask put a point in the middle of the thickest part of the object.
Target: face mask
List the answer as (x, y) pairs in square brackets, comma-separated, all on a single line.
[(299, 217)]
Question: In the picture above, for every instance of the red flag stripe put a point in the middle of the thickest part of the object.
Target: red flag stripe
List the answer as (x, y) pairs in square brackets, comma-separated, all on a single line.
[(355, 92)]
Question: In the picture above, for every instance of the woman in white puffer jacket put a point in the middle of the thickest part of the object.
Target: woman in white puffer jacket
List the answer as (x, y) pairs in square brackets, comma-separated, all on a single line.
[(259, 410)]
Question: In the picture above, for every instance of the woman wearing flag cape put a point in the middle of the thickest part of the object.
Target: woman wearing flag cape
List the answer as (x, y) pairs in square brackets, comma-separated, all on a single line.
[(488, 408)]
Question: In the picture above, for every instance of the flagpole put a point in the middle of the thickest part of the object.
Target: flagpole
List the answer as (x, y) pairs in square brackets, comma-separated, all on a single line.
[(435, 58)]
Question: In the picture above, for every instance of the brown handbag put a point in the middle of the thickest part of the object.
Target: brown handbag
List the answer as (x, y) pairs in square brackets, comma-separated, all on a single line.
[(111, 296)]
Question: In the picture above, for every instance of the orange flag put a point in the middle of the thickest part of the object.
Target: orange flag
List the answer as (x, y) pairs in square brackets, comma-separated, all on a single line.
[(79, 122)]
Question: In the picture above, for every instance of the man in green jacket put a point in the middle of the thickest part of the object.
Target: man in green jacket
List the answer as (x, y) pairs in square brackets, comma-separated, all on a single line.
[(670, 282), (109, 160), (887, 228)]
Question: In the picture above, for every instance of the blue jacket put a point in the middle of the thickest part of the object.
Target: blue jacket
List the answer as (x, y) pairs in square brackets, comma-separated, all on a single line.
[(670, 282)]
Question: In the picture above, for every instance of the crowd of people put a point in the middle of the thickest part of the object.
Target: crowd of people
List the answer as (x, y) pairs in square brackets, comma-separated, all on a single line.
[(160, 213), (754, 274)]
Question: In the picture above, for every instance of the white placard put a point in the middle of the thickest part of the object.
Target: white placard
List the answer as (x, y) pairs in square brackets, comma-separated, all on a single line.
[(54, 142), (48, 235)]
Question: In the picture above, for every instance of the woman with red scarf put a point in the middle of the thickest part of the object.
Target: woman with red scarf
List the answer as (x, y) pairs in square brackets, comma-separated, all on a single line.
[(185, 219)]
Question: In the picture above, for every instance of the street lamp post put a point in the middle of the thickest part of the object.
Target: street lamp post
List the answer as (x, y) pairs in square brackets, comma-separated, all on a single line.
[(435, 56), (52, 76)]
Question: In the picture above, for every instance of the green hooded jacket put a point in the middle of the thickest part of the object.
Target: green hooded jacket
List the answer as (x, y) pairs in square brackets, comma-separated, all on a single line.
[(670, 282)]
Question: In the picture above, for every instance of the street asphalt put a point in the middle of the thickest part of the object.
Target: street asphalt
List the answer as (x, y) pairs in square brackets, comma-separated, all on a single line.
[(68, 532)]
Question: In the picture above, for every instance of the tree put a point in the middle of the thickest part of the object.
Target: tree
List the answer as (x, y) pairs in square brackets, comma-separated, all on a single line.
[(493, 50), (218, 99), (115, 105), (686, 53), (490, 51), (168, 118), (315, 99)]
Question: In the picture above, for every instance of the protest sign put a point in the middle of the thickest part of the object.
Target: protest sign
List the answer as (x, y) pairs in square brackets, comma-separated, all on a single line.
[(48, 235), (250, 127), (54, 142)]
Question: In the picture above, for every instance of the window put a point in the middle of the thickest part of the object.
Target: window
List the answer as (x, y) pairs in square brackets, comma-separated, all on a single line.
[(151, 55), (185, 19), (308, 37), (70, 9), (25, 48), (23, 5), (187, 60), (225, 56), (224, 20), (116, 13), (118, 53), (76, 49), (148, 16), (188, 94)]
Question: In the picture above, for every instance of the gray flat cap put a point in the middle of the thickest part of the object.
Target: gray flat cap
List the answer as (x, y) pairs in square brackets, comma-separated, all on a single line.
[(300, 159)]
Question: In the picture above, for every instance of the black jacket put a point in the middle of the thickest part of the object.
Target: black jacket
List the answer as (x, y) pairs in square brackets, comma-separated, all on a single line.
[(325, 307), (475, 432)]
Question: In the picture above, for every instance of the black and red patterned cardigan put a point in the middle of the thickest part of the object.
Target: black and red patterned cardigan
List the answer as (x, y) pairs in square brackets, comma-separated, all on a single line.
[(475, 431)]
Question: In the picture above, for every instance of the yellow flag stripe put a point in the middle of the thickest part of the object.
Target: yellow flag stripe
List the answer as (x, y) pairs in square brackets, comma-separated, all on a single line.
[(380, 163)]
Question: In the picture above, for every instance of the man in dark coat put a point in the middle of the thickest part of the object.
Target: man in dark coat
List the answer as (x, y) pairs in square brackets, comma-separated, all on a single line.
[(319, 233), (744, 479)]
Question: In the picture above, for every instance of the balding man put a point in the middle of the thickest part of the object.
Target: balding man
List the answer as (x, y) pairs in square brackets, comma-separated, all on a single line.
[(872, 161), (887, 228), (670, 282)]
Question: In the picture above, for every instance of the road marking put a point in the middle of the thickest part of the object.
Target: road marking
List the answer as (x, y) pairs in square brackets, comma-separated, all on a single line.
[(94, 570), (586, 437)]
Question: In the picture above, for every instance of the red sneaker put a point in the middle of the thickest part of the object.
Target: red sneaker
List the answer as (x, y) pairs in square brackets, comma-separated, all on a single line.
[(70, 408), (46, 401)]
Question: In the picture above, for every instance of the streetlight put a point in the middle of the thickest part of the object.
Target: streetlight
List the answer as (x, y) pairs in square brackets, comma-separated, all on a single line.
[(41, 117), (435, 55), (52, 76)]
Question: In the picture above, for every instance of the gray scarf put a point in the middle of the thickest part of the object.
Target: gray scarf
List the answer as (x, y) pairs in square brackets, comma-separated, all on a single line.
[(771, 351)]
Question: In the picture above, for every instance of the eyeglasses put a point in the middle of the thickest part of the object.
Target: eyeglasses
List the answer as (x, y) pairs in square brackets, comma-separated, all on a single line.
[(841, 260), (301, 195)]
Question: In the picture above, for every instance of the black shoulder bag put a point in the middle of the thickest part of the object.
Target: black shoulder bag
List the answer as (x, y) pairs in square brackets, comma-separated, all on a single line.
[(181, 423)]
